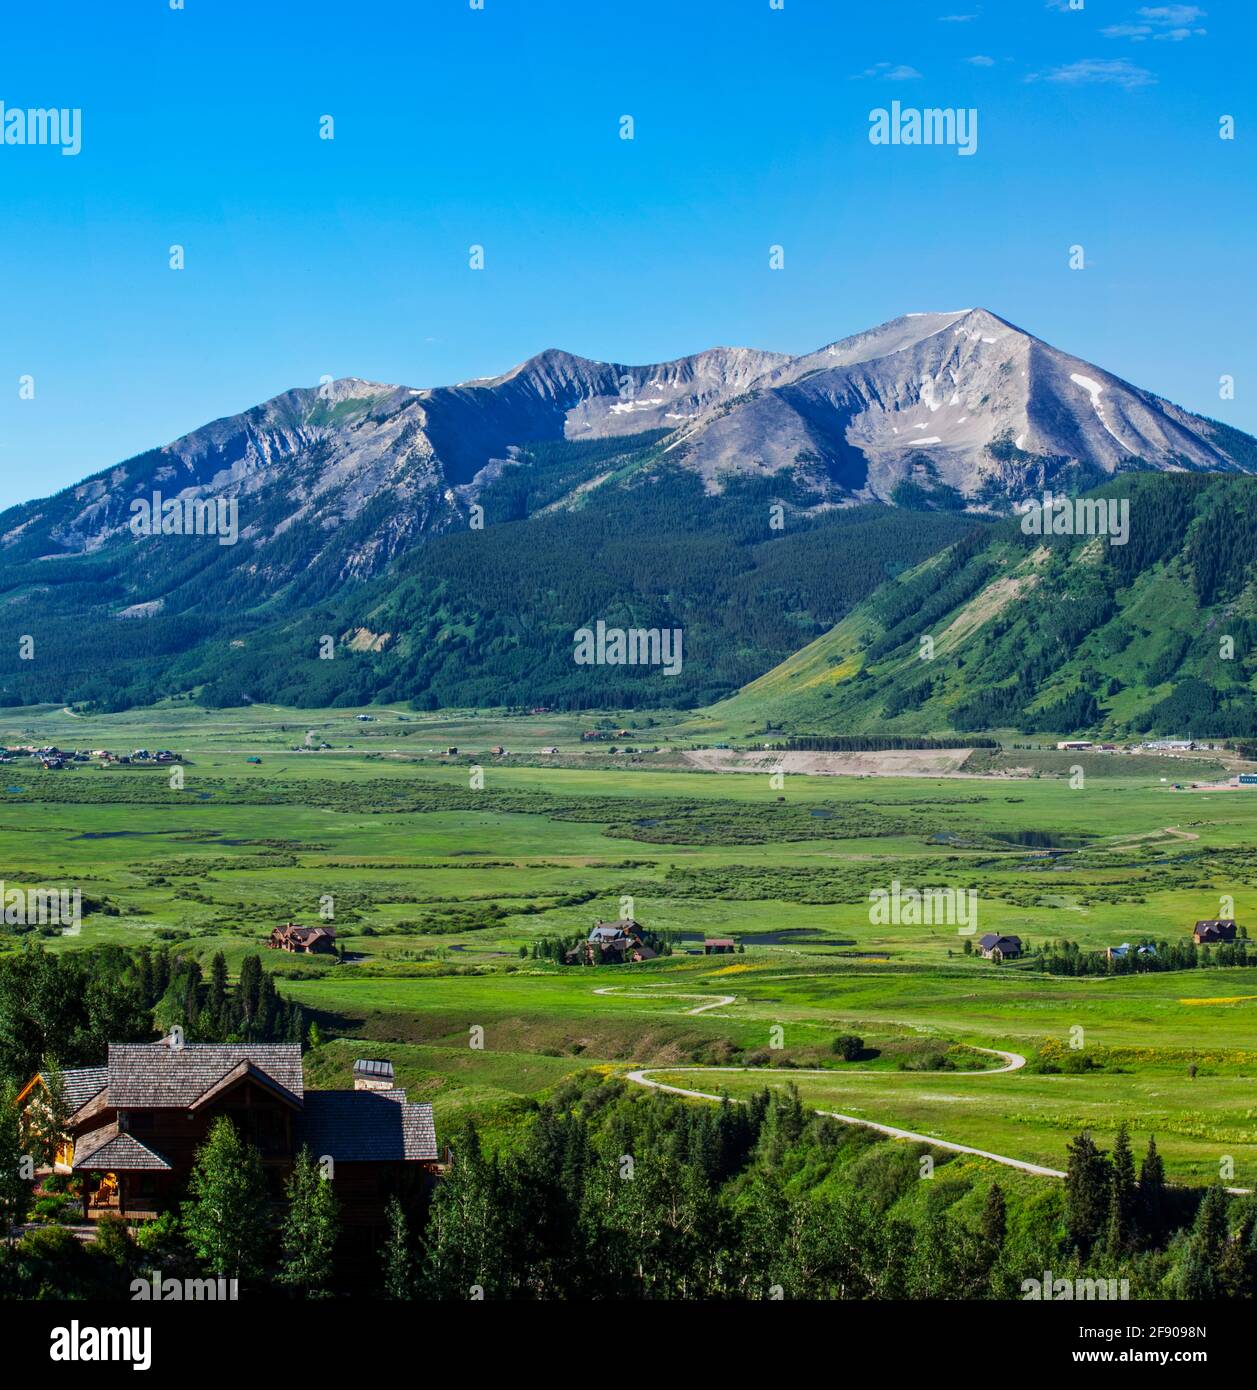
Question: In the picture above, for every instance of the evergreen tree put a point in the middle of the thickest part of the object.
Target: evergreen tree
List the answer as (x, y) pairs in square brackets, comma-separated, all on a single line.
[(1195, 1276), (146, 978), (1152, 1195), (266, 1019), (216, 998), (1210, 1227), (1209, 1263), (310, 1229), (399, 1274), (1086, 1192), (224, 1219), (249, 990), (1123, 1198)]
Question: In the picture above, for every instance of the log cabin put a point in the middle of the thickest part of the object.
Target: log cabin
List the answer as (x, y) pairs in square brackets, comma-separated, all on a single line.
[(998, 947), (137, 1122), (303, 940), (611, 943)]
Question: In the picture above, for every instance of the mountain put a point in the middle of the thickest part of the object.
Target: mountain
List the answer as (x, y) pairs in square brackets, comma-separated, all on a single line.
[(961, 403), (450, 540), (1060, 634)]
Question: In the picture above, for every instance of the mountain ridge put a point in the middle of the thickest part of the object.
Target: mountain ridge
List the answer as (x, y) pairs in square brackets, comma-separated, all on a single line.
[(353, 491), (927, 402)]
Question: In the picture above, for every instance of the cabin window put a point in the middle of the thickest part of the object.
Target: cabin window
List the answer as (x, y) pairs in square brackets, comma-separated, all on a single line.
[(260, 1125)]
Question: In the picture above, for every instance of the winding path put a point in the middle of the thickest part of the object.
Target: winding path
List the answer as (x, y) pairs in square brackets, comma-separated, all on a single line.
[(1014, 1061), (714, 1001), (641, 1076)]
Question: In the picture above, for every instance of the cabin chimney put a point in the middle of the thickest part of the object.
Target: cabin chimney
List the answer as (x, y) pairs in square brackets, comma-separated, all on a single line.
[(373, 1075)]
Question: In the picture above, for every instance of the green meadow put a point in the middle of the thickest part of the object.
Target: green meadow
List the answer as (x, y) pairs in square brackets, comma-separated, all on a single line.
[(441, 871)]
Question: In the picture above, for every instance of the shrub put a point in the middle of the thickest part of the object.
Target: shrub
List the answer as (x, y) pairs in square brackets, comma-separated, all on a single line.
[(48, 1208), (113, 1240), (931, 1061)]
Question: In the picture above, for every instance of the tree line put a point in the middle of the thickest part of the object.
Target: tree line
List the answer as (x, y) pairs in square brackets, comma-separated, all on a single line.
[(69, 1006), (605, 1192)]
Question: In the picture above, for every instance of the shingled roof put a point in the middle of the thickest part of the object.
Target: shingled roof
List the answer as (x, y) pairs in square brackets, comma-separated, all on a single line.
[(120, 1152), (147, 1075), (366, 1127), (82, 1083)]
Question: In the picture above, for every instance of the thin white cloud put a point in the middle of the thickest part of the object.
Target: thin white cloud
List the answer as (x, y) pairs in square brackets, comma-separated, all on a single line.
[(980, 60), (891, 72), (1171, 14), (956, 18), (1117, 72), (1171, 23)]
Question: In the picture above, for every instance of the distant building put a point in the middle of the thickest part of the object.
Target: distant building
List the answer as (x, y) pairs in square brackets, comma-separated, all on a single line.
[(613, 931), (1213, 931), (1126, 949), (303, 940), (996, 947), (719, 946), (1074, 744), (611, 943)]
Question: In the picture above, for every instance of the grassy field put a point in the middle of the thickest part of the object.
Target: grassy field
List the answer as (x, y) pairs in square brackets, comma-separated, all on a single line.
[(442, 871)]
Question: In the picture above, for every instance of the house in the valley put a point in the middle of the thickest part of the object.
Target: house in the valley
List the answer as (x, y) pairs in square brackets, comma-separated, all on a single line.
[(136, 1124), (1126, 950), (1214, 931), (719, 946), (304, 940), (611, 943), (995, 946)]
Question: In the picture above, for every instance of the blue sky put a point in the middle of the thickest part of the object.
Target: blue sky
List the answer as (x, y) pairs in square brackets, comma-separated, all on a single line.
[(501, 127)]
